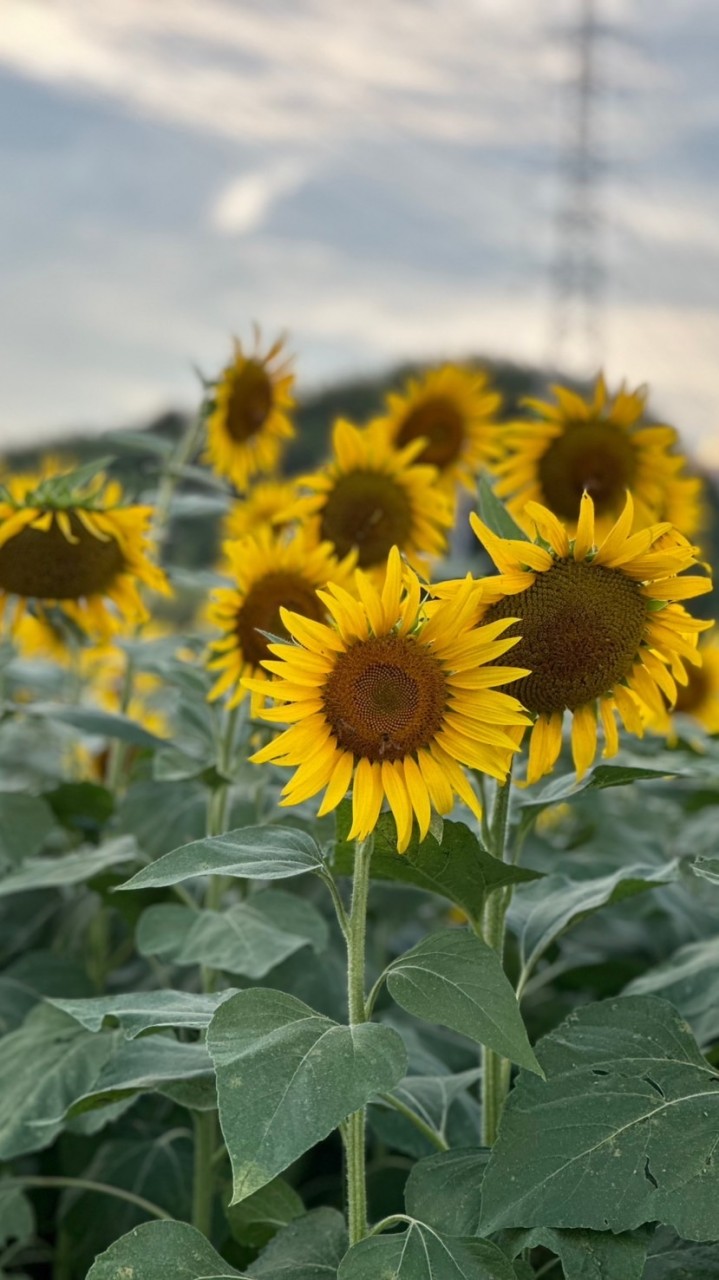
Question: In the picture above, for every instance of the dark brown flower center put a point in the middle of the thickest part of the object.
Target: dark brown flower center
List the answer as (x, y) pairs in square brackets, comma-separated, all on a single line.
[(250, 401), (595, 456), (581, 627), (385, 698), (442, 425), (692, 696), (45, 566), (260, 611), (369, 511)]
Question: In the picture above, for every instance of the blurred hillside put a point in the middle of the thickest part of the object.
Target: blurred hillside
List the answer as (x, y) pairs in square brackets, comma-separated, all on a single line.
[(137, 455)]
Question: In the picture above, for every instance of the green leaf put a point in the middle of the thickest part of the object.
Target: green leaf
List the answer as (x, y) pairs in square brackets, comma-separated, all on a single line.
[(100, 724), (142, 1066), (287, 1076), (669, 1258), (17, 1216), (458, 869), (16, 1001), (311, 1248), (706, 869), (445, 1190), (623, 1131), (25, 824), (494, 514), (586, 1255), (689, 980), (432, 1098), (420, 1253), (158, 1169), (44, 1066), (84, 807), (70, 868), (596, 779), (135, 442), (251, 853), (250, 938), (258, 1218), (455, 979), (162, 1251), (540, 913), (140, 1011)]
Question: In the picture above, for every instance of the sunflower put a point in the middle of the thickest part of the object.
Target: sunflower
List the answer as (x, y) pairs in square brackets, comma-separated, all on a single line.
[(265, 503), (67, 543), (391, 703), (600, 446), (270, 573), (453, 411), (372, 497), (600, 631), (249, 419), (697, 695)]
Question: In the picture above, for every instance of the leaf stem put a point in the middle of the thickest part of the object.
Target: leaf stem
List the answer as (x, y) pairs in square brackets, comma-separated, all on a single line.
[(354, 1127), (427, 1130), (87, 1184)]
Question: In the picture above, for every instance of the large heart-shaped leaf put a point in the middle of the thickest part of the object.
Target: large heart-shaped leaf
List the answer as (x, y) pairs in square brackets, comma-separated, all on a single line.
[(420, 1253), (252, 853), (454, 978), (287, 1076), (622, 1132), (162, 1251)]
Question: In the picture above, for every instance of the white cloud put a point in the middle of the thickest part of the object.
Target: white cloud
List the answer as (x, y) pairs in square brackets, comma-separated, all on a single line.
[(243, 205)]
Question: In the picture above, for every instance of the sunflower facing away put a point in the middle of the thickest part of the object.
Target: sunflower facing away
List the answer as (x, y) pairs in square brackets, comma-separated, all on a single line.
[(372, 497), (453, 410), (599, 630), (270, 573), (596, 445), (249, 420), (391, 703), (67, 542)]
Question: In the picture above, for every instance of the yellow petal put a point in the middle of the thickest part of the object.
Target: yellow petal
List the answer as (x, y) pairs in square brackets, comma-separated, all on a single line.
[(545, 744), (549, 526), (584, 738), (418, 795), (584, 540), (367, 795), (396, 792)]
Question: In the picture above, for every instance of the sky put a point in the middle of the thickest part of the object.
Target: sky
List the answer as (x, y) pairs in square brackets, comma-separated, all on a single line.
[(382, 181)]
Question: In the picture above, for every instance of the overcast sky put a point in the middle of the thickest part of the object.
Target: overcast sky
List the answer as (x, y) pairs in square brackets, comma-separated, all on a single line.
[(381, 179)]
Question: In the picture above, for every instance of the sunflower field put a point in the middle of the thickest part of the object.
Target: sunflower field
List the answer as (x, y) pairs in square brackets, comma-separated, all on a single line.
[(360, 889)]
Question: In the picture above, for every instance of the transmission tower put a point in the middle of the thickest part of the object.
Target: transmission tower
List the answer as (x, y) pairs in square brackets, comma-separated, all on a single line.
[(577, 273)]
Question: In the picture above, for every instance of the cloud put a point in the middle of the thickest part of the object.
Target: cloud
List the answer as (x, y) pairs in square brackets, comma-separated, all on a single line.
[(243, 205)]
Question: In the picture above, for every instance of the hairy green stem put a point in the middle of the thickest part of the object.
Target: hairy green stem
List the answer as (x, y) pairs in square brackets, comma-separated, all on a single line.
[(206, 1122), (354, 1126), (203, 1183), (495, 1071), (87, 1184)]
